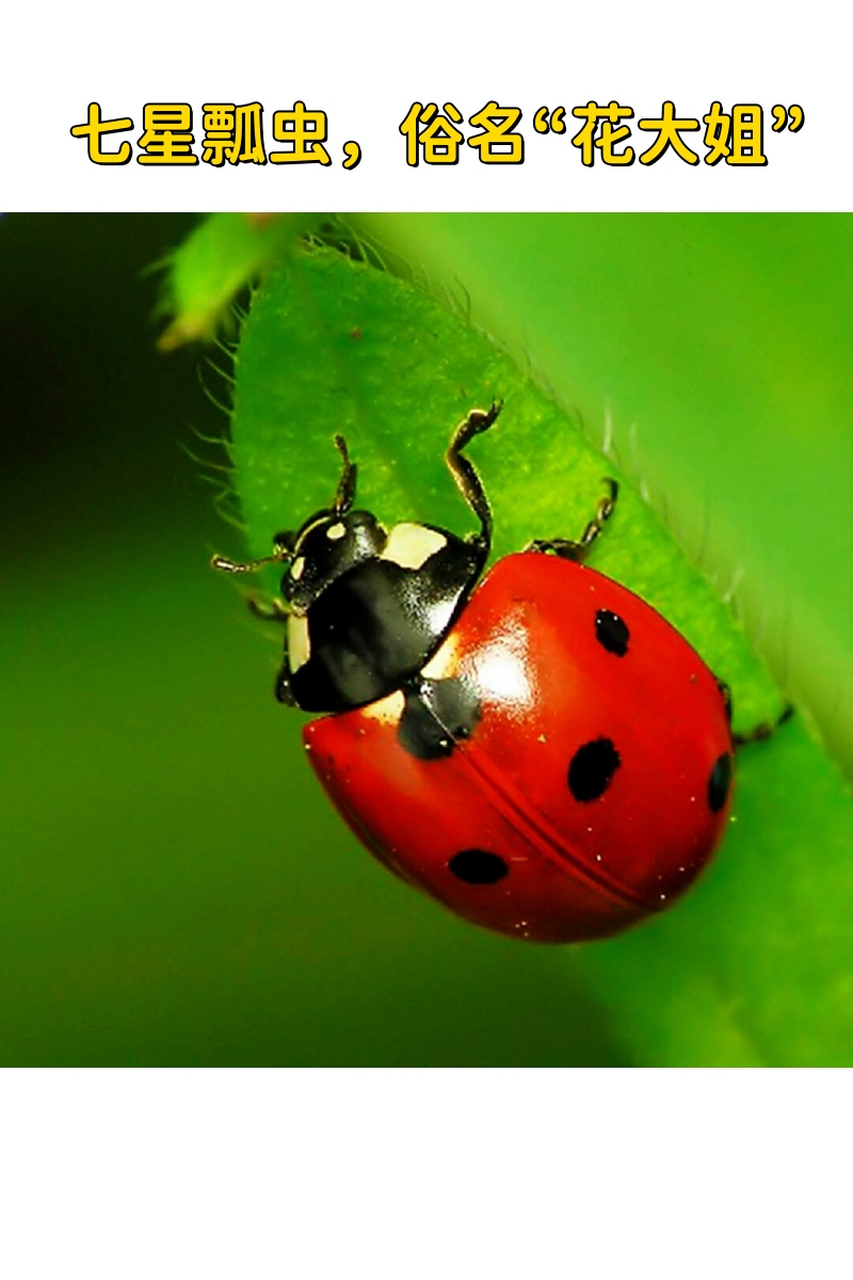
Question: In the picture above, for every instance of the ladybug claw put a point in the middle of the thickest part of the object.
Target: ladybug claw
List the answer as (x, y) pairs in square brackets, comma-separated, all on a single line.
[(761, 732)]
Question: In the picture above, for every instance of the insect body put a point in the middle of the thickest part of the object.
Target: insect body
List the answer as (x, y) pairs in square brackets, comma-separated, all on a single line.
[(539, 750)]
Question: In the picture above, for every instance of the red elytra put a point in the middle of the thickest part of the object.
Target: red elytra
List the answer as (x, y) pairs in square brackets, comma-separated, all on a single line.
[(594, 783)]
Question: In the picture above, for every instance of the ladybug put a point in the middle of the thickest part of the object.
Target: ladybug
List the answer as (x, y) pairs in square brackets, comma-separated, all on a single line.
[(537, 748)]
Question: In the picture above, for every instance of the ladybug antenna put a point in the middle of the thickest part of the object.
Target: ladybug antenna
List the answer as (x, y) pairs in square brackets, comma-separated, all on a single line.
[(283, 550), (345, 495)]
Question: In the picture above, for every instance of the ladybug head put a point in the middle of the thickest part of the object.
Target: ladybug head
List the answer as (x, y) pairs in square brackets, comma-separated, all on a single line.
[(329, 542), (365, 606)]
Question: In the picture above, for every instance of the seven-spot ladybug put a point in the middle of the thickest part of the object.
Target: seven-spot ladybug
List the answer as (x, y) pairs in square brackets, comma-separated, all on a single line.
[(542, 752)]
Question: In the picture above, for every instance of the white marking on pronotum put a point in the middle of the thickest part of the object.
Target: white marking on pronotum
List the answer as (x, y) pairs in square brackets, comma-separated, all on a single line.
[(336, 531), (386, 710), (296, 568), (443, 662), (409, 545), (298, 643)]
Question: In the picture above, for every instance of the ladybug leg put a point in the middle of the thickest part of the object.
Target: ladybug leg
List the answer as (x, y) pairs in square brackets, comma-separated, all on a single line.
[(726, 695), (570, 550), (283, 691), (763, 731), (464, 473), (273, 610)]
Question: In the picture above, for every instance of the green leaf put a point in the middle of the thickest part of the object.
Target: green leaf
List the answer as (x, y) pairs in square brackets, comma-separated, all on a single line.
[(334, 344), (755, 965), (224, 253)]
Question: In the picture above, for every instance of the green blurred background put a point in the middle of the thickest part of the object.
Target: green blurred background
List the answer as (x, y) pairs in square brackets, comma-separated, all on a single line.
[(173, 887)]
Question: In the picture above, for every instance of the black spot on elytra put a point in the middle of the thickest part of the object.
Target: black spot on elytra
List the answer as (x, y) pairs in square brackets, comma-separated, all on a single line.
[(592, 768), (719, 782), (436, 715), (478, 866), (612, 632)]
